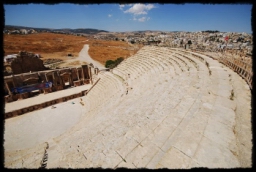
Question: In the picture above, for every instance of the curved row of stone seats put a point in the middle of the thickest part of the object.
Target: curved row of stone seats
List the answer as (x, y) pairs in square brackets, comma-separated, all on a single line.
[(104, 89), (188, 58), (181, 62), (163, 66), (183, 100), (180, 96), (190, 65), (175, 62), (108, 81), (164, 61), (101, 89), (198, 62), (157, 63), (151, 122), (165, 121), (193, 54), (127, 66), (139, 63), (202, 58)]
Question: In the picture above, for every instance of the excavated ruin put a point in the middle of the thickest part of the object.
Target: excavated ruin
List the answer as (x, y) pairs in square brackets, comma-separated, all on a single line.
[(26, 62)]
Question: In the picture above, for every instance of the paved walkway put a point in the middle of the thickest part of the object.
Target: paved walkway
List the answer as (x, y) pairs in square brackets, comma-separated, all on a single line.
[(178, 113), (42, 98)]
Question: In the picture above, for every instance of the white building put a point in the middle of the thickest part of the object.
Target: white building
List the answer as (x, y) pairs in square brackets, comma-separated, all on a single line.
[(23, 31)]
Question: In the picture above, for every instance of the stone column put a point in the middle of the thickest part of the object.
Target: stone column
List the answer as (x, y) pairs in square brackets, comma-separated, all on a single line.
[(86, 74), (90, 74)]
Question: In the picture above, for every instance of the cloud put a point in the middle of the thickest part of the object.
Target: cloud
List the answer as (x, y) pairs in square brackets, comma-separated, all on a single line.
[(138, 9), (121, 7), (110, 15), (142, 19)]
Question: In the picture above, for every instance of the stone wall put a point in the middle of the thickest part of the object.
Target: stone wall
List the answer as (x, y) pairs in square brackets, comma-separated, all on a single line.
[(76, 76), (26, 62)]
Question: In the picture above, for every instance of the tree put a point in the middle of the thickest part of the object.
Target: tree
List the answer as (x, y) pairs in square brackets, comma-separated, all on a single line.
[(189, 42), (119, 60), (113, 63), (109, 63)]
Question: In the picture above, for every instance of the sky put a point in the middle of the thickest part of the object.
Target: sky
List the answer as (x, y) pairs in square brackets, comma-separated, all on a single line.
[(133, 17)]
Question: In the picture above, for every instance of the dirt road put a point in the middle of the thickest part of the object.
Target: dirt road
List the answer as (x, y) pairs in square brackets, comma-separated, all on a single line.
[(83, 56)]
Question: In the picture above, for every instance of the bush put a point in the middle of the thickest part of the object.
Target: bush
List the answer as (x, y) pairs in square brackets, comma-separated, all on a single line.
[(119, 60), (113, 63), (109, 63)]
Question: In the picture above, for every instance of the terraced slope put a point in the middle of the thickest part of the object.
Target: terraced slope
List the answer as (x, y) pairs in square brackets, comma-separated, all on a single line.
[(175, 109)]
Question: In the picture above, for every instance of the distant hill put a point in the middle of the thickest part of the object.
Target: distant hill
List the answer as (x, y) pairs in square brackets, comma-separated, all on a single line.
[(80, 30)]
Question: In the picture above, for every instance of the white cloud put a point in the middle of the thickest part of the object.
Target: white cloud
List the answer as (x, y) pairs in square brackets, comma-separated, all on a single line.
[(110, 15), (142, 19), (121, 7), (138, 9)]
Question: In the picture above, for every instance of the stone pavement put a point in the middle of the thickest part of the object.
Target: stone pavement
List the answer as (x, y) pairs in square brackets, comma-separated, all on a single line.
[(178, 113), (42, 98)]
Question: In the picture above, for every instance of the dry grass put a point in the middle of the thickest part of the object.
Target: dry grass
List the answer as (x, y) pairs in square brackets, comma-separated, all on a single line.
[(50, 45), (74, 63), (102, 51)]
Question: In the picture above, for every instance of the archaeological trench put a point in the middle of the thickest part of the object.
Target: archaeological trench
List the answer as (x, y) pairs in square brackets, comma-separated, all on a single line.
[(160, 108)]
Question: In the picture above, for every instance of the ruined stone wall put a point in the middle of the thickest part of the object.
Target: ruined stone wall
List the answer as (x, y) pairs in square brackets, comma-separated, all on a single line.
[(58, 77), (26, 62)]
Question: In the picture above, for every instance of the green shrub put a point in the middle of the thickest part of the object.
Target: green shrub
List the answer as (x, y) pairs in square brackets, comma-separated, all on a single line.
[(109, 63), (113, 63)]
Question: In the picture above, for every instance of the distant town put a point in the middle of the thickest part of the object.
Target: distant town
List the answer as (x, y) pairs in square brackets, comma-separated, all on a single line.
[(204, 40)]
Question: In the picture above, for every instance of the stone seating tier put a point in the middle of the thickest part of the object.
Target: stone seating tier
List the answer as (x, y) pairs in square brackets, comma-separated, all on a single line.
[(167, 119)]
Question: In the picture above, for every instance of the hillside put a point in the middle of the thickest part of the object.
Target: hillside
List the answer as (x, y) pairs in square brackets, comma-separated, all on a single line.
[(80, 30)]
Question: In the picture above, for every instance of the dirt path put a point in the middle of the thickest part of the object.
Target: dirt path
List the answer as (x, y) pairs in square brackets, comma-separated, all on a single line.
[(83, 56)]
